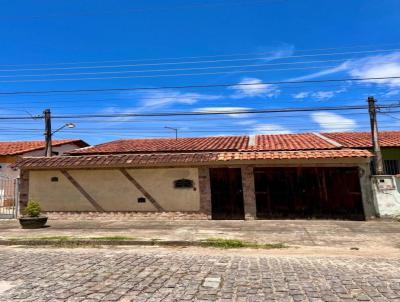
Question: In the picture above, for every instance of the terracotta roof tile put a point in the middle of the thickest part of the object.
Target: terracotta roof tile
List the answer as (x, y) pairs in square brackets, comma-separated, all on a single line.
[(273, 142), (195, 144), (21, 147), (363, 139), (168, 159), (303, 141)]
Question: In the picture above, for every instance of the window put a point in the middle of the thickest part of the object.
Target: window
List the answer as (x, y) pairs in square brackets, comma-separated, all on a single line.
[(54, 179), (141, 199), (183, 183), (391, 166)]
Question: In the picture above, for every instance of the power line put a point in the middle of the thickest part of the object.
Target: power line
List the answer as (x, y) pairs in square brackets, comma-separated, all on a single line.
[(174, 69), (190, 113), (201, 57), (200, 86), (192, 68), (198, 62), (163, 75)]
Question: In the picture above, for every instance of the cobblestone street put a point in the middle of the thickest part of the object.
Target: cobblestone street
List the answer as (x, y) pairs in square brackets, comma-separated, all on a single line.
[(161, 274)]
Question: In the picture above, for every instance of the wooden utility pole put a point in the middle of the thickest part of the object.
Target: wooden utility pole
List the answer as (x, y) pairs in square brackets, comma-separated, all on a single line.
[(375, 136), (47, 133)]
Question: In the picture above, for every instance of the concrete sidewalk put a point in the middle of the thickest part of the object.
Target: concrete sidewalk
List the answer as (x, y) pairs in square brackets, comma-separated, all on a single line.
[(311, 233)]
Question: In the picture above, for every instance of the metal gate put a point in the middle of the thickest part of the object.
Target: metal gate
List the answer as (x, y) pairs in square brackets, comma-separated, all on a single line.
[(8, 197)]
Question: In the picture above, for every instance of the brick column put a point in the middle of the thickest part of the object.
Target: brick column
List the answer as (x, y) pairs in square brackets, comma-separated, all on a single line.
[(23, 190), (249, 195), (205, 191)]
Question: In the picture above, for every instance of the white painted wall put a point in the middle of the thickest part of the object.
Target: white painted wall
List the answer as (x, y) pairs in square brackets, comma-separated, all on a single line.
[(386, 189), (6, 170)]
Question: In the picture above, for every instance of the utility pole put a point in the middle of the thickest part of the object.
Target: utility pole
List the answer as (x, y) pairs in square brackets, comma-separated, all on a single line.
[(47, 133), (375, 136)]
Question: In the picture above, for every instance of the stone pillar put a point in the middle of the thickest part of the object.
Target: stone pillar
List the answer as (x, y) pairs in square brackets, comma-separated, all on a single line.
[(205, 191), (249, 195), (23, 190)]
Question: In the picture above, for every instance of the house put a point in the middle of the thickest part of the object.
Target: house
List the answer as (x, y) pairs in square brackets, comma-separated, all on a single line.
[(307, 175), (389, 142), (10, 151)]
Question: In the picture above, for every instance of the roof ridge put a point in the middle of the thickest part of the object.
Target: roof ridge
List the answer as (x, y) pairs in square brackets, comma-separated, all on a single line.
[(331, 141)]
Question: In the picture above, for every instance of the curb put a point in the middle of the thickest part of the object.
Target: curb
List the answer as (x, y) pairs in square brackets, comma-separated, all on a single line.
[(39, 242)]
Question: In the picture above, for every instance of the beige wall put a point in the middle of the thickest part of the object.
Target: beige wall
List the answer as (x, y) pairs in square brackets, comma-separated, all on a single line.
[(113, 191)]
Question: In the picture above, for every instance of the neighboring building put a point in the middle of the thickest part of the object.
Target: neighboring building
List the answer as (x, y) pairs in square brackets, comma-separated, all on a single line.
[(238, 177), (10, 151), (388, 140)]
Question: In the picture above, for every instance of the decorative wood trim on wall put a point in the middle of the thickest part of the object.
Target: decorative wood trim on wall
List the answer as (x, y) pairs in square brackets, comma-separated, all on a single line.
[(141, 189), (82, 191)]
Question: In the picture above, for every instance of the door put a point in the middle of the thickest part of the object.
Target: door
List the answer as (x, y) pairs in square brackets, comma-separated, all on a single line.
[(308, 192), (226, 193)]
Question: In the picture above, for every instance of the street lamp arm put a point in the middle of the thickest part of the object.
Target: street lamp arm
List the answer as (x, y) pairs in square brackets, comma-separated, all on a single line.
[(68, 125)]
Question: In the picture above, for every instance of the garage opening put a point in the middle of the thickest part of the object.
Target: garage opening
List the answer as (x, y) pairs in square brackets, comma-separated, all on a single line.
[(308, 192), (226, 193)]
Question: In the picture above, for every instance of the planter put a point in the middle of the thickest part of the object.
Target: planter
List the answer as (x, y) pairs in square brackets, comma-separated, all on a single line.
[(32, 222)]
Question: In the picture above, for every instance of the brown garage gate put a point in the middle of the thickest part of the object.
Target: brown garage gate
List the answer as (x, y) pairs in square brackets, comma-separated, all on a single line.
[(308, 192), (226, 193)]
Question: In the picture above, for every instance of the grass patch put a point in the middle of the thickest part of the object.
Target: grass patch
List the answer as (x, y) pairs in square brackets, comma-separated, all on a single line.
[(111, 238), (55, 238), (69, 241), (235, 243)]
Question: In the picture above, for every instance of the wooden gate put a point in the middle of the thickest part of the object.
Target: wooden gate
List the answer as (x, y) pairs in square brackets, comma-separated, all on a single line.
[(8, 197), (226, 193), (308, 192)]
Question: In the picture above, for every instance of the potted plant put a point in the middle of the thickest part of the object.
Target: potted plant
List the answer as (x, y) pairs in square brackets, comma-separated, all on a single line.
[(32, 219)]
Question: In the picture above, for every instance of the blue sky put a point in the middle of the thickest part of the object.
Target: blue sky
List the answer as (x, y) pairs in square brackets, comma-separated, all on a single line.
[(106, 44)]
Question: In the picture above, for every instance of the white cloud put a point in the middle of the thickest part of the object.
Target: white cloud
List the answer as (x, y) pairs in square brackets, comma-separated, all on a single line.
[(327, 94), (225, 109), (246, 122), (154, 100), (164, 98), (269, 129), (301, 95), (342, 67), (392, 92), (331, 122), (319, 95), (253, 87), (283, 50), (378, 67)]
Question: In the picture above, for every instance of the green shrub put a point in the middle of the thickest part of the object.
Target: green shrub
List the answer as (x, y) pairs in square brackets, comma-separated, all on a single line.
[(32, 209)]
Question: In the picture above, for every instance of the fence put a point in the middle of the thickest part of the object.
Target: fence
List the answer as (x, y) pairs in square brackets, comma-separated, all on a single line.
[(8, 197)]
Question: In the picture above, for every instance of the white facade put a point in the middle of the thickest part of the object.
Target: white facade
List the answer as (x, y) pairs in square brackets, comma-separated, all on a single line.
[(386, 190), (8, 171)]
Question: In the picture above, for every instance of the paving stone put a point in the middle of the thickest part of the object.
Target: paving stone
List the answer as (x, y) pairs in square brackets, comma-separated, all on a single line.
[(78, 275)]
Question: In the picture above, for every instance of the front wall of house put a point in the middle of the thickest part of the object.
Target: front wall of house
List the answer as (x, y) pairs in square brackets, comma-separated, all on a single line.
[(114, 191), (118, 190), (56, 196), (6, 169), (6, 162)]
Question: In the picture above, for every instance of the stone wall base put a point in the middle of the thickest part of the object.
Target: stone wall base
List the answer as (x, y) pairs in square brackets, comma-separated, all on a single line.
[(129, 215)]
